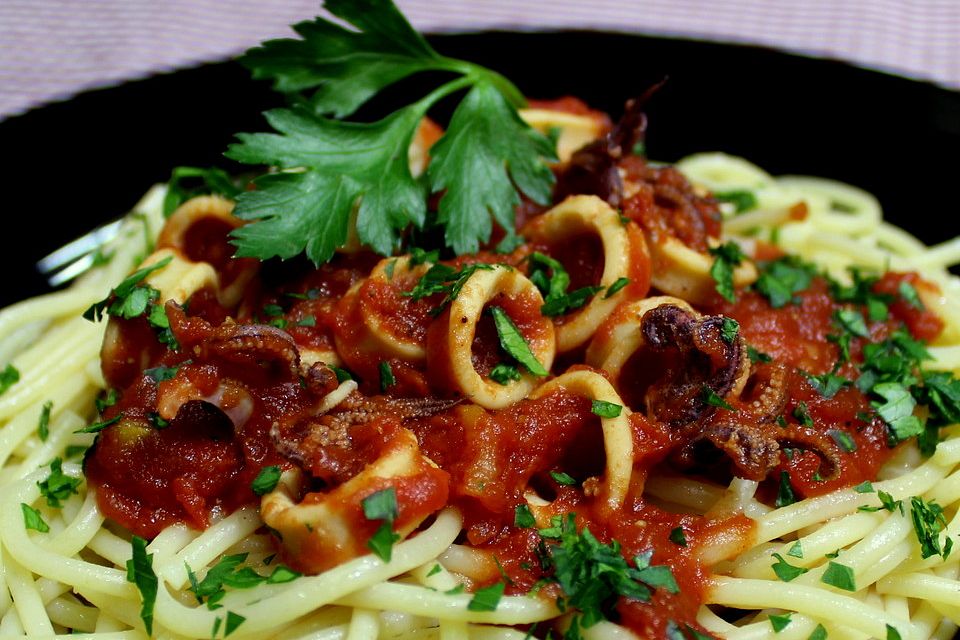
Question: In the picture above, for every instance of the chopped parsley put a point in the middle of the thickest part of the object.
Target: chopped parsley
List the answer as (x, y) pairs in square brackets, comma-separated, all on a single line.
[(852, 321), (843, 439), (820, 633), (741, 199), (382, 505), (779, 622), (342, 374), (58, 487), (928, 521), (802, 413), (711, 398), (839, 576), (32, 519), (9, 376), (266, 481), (522, 517), (729, 330), (796, 550), (786, 571), (864, 487), (678, 537), (228, 572), (513, 342), (726, 258), (910, 295), (487, 598), (605, 409), (785, 493), (128, 299), (550, 277), (504, 373), (780, 280), (387, 379), (442, 278), (757, 356), (617, 285), (564, 479), (100, 426), (828, 384), (140, 572), (43, 426)]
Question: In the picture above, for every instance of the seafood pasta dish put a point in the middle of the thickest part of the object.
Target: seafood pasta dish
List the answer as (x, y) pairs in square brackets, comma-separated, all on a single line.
[(503, 376)]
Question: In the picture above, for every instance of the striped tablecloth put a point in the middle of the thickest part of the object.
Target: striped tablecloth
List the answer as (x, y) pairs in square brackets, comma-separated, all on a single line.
[(52, 49)]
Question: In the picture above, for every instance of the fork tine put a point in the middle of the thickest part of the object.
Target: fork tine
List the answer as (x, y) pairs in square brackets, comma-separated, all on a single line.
[(76, 249)]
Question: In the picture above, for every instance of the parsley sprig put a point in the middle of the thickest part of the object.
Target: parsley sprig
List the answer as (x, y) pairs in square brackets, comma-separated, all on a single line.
[(332, 170)]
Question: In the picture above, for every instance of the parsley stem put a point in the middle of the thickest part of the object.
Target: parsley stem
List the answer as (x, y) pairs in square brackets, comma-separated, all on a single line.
[(474, 72)]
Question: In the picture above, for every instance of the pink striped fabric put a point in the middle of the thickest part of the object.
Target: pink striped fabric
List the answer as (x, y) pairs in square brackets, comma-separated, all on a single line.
[(51, 49)]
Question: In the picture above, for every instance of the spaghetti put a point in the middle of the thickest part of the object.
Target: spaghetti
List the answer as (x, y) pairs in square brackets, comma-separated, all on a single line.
[(429, 425)]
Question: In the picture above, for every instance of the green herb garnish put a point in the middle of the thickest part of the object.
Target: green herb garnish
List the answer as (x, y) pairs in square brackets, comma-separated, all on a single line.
[(331, 169)]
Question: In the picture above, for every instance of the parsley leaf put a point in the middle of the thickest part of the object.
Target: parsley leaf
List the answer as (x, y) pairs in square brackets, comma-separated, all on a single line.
[(618, 284), (140, 572), (266, 481), (710, 397), (605, 409), (9, 376), (910, 295), (678, 537), (729, 330), (486, 151), (487, 598), (839, 576), (897, 411), (331, 169), (32, 519), (504, 373), (564, 479), (726, 258), (387, 379), (928, 521), (757, 356), (828, 384), (780, 279), (514, 343), (43, 426), (58, 487), (786, 571), (820, 633), (785, 493), (852, 321), (118, 301), (779, 623), (234, 620), (344, 67), (523, 518), (213, 180), (442, 278), (741, 199), (382, 505)]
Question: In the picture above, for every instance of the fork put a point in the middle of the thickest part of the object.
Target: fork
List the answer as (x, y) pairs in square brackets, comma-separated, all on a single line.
[(77, 256)]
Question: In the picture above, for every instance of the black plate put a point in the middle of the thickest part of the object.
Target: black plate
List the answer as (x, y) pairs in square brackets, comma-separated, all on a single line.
[(75, 164)]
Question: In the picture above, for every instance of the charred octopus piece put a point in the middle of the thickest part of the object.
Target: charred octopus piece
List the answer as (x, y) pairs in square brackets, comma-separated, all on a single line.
[(254, 347), (705, 362), (593, 169)]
